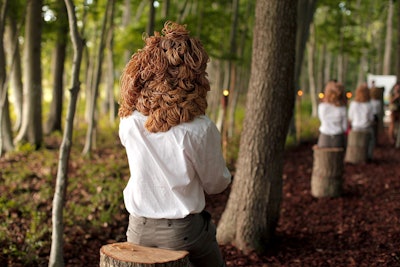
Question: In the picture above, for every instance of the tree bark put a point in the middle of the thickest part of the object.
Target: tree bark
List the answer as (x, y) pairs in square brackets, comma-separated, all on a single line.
[(311, 73), (152, 17), (56, 253), (31, 128), (131, 255), (388, 41), (14, 59), (97, 77), (327, 174), (252, 211), (109, 99), (357, 147), (5, 122), (54, 119)]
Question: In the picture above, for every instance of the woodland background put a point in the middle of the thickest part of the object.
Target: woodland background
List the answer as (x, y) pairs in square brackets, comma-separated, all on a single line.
[(344, 40)]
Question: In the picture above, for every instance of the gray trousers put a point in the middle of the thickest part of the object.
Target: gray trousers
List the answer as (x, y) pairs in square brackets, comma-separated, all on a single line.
[(194, 233), (325, 140)]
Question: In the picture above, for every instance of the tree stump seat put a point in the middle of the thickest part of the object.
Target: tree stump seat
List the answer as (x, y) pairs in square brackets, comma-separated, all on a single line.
[(357, 147), (126, 254), (327, 172)]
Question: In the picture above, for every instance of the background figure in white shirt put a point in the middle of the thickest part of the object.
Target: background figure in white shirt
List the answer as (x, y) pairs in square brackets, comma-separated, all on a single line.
[(333, 116), (361, 115), (376, 103), (173, 148)]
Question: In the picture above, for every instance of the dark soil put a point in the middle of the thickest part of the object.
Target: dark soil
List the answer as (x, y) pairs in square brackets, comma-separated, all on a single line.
[(360, 228)]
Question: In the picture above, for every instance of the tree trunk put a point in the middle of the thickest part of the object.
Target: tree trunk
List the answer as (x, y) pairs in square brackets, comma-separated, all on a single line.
[(97, 77), (165, 9), (327, 174), (5, 122), (253, 208), (109, 99), (56, 107), (56, 254), (31, 128), (305, 14), (126, 21), (311, 74), (14, 57), (357, 147), (327, 68), (231, 78), (388, 41), (131, 255), (152, 18)]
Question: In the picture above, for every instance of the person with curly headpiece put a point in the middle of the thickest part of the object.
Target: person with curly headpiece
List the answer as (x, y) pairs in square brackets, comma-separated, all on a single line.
[(361, 115), (332, 114), (173, 148)]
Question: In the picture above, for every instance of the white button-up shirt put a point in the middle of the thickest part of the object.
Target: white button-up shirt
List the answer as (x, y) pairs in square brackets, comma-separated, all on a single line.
[(333, 118), (171, 170), (361, 115)]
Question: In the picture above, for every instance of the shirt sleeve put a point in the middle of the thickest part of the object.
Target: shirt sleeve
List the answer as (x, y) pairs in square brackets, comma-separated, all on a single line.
[(122, 130), (209, 163)]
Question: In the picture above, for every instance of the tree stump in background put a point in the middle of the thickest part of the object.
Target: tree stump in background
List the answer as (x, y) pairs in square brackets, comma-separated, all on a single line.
[(357, 147), (327, 173), (130, 255)]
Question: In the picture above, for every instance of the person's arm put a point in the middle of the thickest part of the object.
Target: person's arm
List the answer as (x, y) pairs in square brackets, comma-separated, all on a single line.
[(210, 164), (345, 124)]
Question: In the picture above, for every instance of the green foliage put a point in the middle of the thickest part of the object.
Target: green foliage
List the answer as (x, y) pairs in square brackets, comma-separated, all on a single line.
[(94, 194)]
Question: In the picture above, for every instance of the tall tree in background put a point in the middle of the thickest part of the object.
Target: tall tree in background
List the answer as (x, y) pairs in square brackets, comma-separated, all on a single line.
[(388, 41), (5, 122), (90, 133), (311, 49), (56, 254), (152, 18), (252, 211), (31, 128), (14, 57), (59, 53)]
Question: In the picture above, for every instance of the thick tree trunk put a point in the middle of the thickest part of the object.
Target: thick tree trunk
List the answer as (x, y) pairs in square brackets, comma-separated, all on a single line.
[(131, 255), (31, 128), (327, 174), (14, 59), (253, 208), (5, 123), (388, 41)]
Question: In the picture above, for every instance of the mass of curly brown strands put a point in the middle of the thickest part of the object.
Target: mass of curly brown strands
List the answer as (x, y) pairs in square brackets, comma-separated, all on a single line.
[(334, 93), (166, 80), (362, 93)]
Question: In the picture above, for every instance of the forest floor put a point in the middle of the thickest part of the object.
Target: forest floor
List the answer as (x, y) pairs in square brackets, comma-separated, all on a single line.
[(360, 228)]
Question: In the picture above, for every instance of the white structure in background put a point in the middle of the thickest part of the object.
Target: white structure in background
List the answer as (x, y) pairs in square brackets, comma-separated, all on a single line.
[(387, 81)]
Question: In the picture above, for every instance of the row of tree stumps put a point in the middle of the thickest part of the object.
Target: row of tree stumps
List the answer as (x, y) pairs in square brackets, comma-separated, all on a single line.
[(328, 164)]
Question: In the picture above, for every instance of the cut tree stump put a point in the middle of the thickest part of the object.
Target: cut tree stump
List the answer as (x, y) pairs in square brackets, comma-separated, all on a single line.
[(130, 255), (327, 173), (357, 147)]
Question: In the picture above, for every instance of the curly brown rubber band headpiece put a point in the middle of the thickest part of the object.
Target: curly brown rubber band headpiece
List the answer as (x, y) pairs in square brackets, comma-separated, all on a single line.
[(166, 80)]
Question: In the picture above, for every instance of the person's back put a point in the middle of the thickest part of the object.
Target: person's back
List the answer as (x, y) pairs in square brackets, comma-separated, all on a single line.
[(333, 117), (174, 150), (361, 115)]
